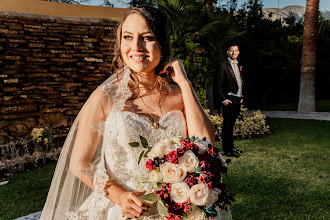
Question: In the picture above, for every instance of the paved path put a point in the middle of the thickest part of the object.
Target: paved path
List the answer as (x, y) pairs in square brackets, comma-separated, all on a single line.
[(293, 114), (272, 114)]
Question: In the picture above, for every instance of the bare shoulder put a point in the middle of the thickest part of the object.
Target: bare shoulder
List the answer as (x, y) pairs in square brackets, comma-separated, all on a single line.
[(175, 99), (101, 99)]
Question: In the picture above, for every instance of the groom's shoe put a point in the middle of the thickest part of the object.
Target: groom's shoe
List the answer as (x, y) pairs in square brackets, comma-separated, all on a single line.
[(237, 151), (231, 154)]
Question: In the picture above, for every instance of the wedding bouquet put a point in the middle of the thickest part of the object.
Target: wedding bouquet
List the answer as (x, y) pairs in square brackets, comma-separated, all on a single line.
[(188, 173)]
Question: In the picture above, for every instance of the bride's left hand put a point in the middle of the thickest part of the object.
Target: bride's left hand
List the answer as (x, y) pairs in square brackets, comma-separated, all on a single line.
[(175, 67)]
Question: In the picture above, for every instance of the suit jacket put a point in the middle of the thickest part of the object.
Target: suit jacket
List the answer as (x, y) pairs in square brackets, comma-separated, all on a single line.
[(226, 80)]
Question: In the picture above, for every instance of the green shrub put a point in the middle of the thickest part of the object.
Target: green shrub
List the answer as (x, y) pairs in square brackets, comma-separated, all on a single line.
[(248, 125)]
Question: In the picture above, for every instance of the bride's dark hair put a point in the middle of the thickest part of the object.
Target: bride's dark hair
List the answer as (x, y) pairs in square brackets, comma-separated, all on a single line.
[(159, 26)]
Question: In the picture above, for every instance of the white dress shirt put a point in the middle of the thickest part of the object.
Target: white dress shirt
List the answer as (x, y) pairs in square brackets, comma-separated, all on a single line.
[(234, 66)]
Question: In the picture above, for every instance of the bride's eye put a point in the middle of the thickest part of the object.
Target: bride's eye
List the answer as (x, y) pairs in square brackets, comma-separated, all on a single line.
[(148, 38), (127, 37)]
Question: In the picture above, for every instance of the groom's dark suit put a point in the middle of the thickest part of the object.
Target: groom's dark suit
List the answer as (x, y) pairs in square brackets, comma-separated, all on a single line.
[(226, 84)]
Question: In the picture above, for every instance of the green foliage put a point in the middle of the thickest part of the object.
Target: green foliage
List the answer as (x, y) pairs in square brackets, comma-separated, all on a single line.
[(197, 36), (270, 55), (247, 125)]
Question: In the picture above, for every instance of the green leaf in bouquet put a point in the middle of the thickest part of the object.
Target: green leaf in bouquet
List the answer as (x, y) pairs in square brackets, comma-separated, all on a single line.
[(162, 209), (144, 142), (140, 157), (150, 197), (204, 138), (198, 170), (146, 153), (134, 144), (192, 139)]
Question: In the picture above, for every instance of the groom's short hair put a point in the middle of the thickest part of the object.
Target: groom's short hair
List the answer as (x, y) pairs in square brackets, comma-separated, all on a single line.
[(232, 44)]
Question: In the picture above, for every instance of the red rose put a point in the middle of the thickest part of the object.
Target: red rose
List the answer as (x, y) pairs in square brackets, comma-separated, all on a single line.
[(172, 157), (190, 180), (180, 152), (187, 145), (173, 217), (204, 179), (185, 206), (185, 142), (204, 165), (202, 157), (212, 151), (151, 165)]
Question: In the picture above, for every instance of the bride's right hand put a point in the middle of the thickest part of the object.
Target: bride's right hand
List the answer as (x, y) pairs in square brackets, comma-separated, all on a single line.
[(131, 205)]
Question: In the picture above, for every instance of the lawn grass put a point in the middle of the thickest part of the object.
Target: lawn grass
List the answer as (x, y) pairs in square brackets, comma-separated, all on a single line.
[(283, 176), (25, 193), (321, 106)]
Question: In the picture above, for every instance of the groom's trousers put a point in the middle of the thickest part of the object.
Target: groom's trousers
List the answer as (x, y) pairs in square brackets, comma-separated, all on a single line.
[(229, 114)]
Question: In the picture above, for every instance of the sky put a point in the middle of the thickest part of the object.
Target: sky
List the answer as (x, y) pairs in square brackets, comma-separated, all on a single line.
[(324, 4)]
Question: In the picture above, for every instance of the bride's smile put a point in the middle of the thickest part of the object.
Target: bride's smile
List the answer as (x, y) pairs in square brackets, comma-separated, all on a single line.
[(139, 47)]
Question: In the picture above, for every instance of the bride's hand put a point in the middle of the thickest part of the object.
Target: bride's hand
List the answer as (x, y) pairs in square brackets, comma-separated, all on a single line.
[(176, 68), (131, 205)]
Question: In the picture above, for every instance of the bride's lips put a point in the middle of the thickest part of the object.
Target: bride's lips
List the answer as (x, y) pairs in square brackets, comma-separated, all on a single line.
[(139, 58)]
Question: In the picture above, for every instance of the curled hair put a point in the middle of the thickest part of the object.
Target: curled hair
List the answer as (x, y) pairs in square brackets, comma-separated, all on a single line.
[(159, 26)]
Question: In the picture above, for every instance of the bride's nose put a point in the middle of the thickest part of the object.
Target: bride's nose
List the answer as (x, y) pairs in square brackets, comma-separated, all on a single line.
[(138, 44)]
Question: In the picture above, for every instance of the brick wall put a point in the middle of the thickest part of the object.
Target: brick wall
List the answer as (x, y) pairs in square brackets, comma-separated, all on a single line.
[(48, 68)]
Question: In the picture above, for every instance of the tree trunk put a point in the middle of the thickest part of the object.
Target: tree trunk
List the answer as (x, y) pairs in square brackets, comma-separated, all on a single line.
[(308, 60)]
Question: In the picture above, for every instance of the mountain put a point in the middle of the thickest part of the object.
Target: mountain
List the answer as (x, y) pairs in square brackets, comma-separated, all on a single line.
[(297, 11)]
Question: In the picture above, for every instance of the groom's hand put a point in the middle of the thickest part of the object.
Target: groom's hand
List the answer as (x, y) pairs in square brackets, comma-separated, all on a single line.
[(226, 102)]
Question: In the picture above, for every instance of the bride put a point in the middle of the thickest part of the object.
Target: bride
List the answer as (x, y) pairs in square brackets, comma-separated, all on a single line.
[(98, 175)]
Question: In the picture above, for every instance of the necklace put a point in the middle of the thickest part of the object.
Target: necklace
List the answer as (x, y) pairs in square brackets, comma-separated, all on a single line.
[(155, 123)]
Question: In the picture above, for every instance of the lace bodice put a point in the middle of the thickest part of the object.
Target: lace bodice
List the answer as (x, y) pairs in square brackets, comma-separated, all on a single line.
[(124, 127), (121, 159)]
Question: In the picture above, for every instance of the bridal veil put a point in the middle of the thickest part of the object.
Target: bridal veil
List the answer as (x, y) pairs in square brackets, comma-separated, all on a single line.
[(69, 197)]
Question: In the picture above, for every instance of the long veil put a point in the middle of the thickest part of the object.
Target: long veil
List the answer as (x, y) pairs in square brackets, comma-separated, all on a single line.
[(69, 197)]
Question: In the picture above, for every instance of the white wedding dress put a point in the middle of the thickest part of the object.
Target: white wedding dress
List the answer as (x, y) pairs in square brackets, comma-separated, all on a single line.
[(124, 127), (119, 160), (122, 159)]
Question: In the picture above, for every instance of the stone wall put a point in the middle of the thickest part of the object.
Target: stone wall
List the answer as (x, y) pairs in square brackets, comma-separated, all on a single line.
[(48, 68)]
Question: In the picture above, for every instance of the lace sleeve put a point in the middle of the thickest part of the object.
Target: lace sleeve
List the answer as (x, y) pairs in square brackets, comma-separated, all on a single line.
[(99, 128), (86, 161), (77, 187)]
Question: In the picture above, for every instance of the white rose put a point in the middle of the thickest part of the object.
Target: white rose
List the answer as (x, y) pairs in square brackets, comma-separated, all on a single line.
[(172, 173), (213, 197), (159, 149), (172, 147), (195, 214), (199, 194), (180, 192), (203, 145), (189, 162), (177, 139), (155, 176)]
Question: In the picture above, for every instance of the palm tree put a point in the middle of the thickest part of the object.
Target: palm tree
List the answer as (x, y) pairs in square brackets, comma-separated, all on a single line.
[(308, 60)]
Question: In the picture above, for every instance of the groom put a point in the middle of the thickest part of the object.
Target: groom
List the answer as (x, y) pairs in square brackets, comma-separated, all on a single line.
[(229, 85)]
